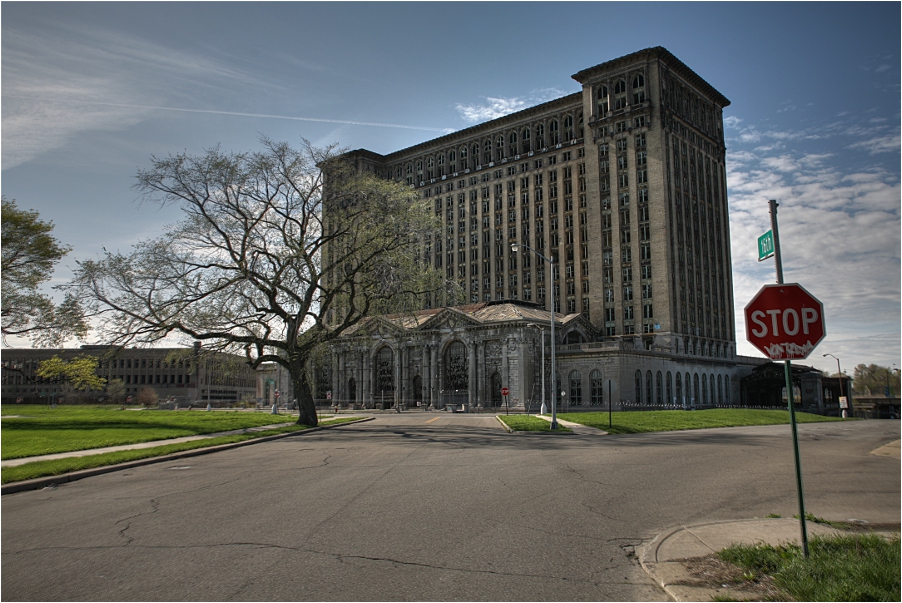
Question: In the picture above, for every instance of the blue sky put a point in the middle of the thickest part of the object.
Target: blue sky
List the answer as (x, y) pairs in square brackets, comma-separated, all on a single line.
[(90, 91)]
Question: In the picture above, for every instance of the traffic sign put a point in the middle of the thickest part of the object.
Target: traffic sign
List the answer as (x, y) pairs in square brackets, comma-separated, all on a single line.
[(784, 321), (505, 391), (765, 245)]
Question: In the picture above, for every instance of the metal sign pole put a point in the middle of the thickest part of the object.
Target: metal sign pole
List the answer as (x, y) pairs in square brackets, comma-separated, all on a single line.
[(778, 263)]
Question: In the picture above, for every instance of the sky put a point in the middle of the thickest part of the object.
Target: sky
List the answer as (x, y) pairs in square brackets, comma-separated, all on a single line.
[(91, 91)]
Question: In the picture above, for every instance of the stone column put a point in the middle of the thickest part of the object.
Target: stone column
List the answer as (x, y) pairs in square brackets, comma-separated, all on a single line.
[(505, 372), (434, 375), (339, 393), (471, 373), (367, 377), (397, 371)]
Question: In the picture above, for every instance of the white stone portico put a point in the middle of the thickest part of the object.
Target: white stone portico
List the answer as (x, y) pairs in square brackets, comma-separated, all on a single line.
[(463, 356)]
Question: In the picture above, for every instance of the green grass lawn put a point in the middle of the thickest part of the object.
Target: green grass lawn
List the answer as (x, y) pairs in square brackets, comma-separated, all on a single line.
[(529, 423), (677, 420), (68, 465), (43, 430), (846, 567)]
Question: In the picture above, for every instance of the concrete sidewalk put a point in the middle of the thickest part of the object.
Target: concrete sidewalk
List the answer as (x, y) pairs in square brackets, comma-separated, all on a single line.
[(576, 427), (151, 444), (663, 557)]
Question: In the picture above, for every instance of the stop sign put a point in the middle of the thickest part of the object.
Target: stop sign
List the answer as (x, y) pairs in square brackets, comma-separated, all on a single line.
[(505, 391), (784, 321)]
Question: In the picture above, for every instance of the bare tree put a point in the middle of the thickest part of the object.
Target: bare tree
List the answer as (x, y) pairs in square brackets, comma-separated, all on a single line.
[(270, 260)]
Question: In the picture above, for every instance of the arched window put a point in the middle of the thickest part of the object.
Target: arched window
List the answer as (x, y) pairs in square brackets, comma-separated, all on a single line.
[(638, 89), (487, 152), (638, 387), (352, 391), (512, 143), (659, 389), (620, 95), (649, 389), (576, 388), (568, 127), (579, 125), (430, 168), (597, 394), (499, 144), (456, 370), (727, 386), (704, 390), (474, 157), (720, 389), (554, 133), (603, 105), (679, 389), (441, 165), (669, 399), (540, 136), (525, 143)]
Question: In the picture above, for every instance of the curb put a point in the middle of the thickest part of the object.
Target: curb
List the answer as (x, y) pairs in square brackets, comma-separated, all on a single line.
[(55, 480)]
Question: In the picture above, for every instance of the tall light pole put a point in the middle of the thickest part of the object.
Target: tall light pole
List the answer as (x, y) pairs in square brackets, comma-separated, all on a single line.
[(542, 331), (839, 373), (515, 247)]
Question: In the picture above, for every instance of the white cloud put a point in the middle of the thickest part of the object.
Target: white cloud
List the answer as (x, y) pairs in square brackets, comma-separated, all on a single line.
[(495, 107), (839, 232)]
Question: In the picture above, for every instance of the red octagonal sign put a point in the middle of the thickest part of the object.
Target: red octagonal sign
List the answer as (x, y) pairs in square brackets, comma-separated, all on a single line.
[(784, 321)]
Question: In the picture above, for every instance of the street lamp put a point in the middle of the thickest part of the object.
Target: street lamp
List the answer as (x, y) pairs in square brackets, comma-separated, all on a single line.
[(839, 374), (515, 247), (542, 330)]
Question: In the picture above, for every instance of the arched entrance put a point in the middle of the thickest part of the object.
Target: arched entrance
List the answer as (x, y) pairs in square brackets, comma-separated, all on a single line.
[(416, 387), (456, 375), (384, 390)]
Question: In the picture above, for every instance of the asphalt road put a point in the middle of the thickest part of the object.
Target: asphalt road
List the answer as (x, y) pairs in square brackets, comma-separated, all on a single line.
[(425, 507)]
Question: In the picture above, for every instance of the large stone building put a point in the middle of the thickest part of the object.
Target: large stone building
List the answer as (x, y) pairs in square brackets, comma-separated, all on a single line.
[(623, 187)]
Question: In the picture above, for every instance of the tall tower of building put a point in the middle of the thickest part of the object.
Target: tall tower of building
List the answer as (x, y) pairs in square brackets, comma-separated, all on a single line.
[(622, 184)]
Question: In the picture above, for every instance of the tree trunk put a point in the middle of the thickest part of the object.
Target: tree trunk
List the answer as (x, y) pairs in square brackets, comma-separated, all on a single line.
[(306, 405)]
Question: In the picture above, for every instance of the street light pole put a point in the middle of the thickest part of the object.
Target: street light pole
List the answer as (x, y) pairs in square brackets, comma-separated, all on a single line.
[(515, 247), (839, 373), (542, 331)]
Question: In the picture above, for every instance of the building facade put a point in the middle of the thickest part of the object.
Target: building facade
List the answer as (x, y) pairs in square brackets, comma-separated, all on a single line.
[(623, 187), (183, 374)]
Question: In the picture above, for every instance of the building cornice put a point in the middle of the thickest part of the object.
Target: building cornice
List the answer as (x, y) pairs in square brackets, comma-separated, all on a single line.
[(658, 53)]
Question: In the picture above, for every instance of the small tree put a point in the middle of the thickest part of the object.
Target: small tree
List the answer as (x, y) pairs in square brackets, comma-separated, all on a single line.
[(30, 254), (147, 397), (264, 262), (115, 390), (80, 373)]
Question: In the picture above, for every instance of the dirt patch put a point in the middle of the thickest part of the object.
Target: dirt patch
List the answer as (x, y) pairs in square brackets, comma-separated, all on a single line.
[(714, 573)]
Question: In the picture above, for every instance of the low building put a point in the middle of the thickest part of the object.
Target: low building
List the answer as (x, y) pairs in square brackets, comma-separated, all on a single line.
[(193, 376)]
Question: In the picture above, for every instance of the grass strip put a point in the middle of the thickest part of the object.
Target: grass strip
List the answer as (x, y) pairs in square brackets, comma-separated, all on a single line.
[(678, 420), (530, 423), (42, 430), (854, 567), (68, 465)]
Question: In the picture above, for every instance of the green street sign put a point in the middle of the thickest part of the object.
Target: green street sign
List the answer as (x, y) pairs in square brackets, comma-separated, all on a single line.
[(765, 245)]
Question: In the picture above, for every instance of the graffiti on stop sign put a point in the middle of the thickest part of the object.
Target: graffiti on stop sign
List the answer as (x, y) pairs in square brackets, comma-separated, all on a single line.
[(791, 325)]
